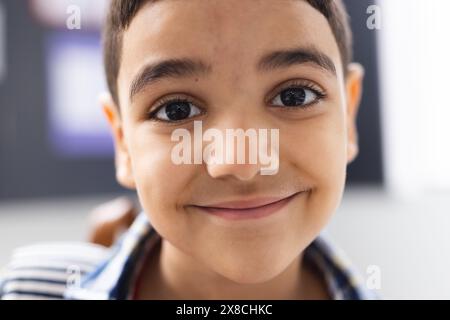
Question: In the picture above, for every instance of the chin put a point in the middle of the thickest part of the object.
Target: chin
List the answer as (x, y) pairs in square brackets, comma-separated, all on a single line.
[(252, 273)]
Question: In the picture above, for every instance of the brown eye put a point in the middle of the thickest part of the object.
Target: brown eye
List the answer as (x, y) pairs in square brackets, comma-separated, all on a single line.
[(296, 96), (176, 110)]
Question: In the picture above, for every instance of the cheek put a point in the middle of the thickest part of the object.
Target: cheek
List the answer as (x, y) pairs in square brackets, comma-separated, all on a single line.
[(159, 182), (317, 147), (320, 156)]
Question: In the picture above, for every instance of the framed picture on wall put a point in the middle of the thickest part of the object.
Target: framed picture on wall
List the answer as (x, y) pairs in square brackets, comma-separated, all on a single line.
[(62, 14), (75, 78)]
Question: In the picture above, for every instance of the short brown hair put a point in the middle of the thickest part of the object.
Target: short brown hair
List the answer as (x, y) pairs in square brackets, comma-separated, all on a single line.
[(122, 12)]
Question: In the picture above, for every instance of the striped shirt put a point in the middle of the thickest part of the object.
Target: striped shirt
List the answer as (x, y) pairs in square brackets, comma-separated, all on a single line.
[(85, 271)]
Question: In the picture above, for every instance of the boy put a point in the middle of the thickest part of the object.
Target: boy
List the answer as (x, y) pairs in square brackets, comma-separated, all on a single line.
[(215, 229)]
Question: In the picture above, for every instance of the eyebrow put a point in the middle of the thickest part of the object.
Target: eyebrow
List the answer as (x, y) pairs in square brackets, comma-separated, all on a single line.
[(286, 58), (185, 67)]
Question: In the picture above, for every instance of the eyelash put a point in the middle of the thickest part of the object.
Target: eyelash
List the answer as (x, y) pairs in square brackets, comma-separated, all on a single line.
[(166, 101), (304, 84)]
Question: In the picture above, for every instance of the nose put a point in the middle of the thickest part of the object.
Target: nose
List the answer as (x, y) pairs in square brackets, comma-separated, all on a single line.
[(247, 139), (238, 156), (243, 172)]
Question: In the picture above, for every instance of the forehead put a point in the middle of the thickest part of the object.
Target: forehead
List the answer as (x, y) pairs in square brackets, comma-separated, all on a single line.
[(229, 35)]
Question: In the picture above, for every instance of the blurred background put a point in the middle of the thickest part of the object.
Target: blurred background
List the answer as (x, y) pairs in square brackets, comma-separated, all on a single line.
[(56, 154)]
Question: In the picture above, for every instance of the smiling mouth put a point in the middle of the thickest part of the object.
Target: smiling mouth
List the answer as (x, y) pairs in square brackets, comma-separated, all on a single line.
[(249, 209)]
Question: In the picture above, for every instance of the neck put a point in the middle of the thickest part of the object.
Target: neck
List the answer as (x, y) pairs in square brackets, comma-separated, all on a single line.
[(171, 274)]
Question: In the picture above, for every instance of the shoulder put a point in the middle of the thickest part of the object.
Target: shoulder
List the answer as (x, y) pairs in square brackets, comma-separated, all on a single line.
[(46, 270), (344, 279)]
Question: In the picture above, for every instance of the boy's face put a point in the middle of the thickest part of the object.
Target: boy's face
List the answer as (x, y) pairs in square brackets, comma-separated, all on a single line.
[(316, 143)]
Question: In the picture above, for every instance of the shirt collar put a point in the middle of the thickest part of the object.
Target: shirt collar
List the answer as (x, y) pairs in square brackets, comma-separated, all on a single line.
[(115, 278)]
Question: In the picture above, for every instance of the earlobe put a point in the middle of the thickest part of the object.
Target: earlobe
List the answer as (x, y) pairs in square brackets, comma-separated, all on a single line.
[(352, 152), (354, 85), (124, 172)]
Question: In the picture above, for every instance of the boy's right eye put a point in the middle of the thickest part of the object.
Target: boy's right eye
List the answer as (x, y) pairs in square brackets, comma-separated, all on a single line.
[(175, 110)]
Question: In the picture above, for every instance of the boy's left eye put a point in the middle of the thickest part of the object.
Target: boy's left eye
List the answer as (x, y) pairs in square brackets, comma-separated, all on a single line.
[(296, 97)]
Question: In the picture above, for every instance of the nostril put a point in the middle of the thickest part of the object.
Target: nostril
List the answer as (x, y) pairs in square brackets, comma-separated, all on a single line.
[(242, 172)]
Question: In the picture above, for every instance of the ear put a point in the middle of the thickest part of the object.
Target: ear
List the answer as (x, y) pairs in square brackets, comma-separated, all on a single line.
[(124, 172), (354, 85)]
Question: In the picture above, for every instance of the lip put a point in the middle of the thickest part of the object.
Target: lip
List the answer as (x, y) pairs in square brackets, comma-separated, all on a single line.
[(248, 209)]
